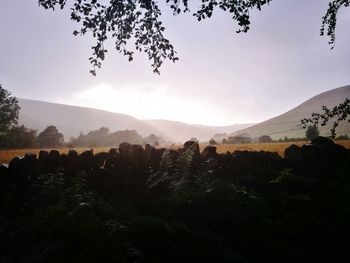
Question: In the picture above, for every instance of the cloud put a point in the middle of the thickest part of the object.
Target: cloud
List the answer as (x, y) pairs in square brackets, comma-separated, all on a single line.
[(145, 102)]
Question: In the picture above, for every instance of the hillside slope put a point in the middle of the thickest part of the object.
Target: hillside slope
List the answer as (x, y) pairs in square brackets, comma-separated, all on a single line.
[(71, 120), (183, 131), (288, 124)]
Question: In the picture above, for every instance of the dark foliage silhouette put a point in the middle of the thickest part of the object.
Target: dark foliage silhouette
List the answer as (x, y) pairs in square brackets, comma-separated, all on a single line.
[(265, 138), (136, 204), (140, 21), (338, 113), (312, 132), (9, 110), (50, 137), (18, 137)]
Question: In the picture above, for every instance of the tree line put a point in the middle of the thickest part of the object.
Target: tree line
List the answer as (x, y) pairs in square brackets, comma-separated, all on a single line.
[(103, 137), (14, 136), (19, 137), (311, 132)]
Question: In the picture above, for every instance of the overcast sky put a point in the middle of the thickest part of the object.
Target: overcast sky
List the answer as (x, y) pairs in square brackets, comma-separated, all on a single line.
[(221, 77)]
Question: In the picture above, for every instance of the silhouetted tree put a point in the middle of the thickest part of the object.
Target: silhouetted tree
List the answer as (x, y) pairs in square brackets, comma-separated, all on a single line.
[(102, 137), (50, 137), (9, 110), (212, 142), (338, 113), (265, 138), (139, 21), (311, 132), (240, 138)]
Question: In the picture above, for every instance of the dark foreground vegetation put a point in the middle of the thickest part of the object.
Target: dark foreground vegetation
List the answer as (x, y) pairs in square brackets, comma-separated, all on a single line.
[(136, 204)]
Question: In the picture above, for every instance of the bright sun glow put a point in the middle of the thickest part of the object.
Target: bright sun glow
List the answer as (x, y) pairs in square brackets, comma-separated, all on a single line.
[(145, 102)]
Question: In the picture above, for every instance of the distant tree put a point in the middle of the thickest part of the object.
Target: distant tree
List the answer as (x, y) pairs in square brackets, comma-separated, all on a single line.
[(98, 137), (265, 138), (19, 137), (224, 141), (50, 137), (102, 137), (342, 137), (79, 141), (338, 113), (152, 139), (212, 142), (240, 138), (9, 110), (140, 21), (311, 132), (130, 136)]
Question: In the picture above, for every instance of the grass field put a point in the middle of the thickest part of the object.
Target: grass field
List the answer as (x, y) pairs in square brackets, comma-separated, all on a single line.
[(7, 155)]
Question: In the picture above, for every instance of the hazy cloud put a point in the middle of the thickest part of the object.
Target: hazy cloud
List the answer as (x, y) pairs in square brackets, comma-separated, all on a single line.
[(221, 78)]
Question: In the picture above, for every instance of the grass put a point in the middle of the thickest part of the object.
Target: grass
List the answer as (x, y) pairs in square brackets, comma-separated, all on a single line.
[(7, 155)]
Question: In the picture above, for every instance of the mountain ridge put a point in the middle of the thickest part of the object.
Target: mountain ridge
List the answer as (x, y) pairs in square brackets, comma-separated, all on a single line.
[(71, 120), (286, 124)]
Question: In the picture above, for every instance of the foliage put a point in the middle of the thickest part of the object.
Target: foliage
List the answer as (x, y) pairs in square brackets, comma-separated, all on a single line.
[(312, 132), (240, 138), (50, 137), (177, 177), (329, 20), (338, 113), (140, 21), (9, 110), (19, 137), (205, 211), (60, 216), (103, 137), (212, 142), (265, 138)]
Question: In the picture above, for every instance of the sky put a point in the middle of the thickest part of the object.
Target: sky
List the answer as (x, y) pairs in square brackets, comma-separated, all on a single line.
[(221, 78)]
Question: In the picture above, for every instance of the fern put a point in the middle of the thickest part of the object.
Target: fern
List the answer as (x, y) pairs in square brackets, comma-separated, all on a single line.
[(207, 176), (183, 180), (180, 182), (161, 176), (184, 161), (166, 163)]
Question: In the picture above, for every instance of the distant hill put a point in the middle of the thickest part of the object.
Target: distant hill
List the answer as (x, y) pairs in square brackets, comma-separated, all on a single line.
[(183, 131), (287, 124), (71, 120)]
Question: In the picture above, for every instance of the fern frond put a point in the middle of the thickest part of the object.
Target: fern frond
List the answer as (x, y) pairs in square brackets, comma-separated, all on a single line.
[(166, 163), (183, 162), (161, 176)]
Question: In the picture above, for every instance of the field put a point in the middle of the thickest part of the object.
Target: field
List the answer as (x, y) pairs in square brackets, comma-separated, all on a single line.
[(7, 155)]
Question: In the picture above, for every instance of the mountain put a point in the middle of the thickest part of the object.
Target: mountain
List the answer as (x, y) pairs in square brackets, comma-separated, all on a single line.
[(288, 124), (71, 120), (183, 131)]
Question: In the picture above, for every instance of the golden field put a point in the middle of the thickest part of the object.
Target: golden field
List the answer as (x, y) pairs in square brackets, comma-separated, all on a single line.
[(279, 147)]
